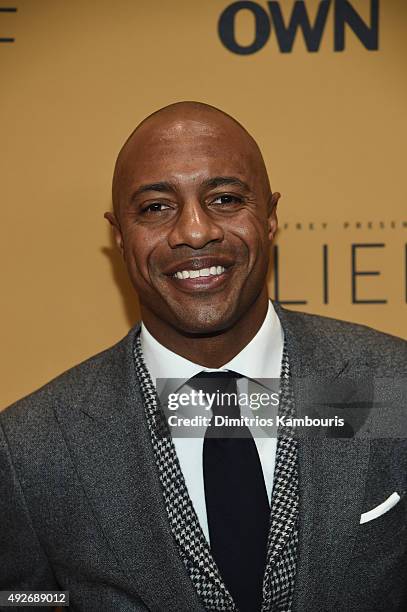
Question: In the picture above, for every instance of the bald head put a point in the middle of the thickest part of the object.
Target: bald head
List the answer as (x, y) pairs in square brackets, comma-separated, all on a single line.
[(194, 220), (185, 123)]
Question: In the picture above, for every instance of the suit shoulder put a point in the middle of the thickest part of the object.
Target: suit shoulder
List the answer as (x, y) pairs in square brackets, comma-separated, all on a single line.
[(71, 386), (354, 339)]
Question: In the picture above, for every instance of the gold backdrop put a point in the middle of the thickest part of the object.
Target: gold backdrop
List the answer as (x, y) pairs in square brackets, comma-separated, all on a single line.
[(80, 74)]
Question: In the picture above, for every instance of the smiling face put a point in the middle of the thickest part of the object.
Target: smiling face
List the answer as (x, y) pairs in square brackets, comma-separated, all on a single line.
[(194, 219)]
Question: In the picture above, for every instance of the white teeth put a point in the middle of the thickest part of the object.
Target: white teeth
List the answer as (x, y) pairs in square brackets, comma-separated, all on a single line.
[(212, 271)]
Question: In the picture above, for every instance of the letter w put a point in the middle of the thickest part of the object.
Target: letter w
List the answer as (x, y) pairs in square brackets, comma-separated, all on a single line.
[(299, 19)]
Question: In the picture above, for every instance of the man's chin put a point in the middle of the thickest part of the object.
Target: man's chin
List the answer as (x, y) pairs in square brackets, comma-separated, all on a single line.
[(205, 322)]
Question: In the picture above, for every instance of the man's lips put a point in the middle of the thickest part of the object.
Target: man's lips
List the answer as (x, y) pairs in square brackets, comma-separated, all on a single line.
[(198, 264), (204, 273)]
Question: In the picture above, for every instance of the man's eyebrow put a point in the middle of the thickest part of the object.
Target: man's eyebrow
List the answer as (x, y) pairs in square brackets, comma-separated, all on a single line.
[(211, 183), (220, 181), (162, 186)]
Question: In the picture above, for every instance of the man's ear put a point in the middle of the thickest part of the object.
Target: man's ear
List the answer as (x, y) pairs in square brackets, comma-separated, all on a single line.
[(272, 214), (117, 233)]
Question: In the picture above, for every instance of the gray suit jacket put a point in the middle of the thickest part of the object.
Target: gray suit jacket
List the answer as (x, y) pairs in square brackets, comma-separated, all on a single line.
[(81, 507)]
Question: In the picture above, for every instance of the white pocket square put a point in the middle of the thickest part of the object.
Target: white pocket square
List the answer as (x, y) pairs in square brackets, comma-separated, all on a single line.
[(382, 508)]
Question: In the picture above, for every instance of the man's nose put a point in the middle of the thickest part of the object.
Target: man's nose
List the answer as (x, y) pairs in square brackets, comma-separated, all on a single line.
[(194, 227)]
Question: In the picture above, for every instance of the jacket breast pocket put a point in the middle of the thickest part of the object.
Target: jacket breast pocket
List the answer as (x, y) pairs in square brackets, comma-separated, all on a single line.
[(385, 533), (378, 564), (380, 509)]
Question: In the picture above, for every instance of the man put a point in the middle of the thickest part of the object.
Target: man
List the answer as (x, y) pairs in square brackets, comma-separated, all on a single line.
[(96, 500)]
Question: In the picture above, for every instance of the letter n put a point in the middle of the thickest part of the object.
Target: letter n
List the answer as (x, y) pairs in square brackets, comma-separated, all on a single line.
[(299, 19), (345, 13)]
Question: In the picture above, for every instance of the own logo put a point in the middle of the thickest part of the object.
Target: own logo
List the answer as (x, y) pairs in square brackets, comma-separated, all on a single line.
[(287, 26)]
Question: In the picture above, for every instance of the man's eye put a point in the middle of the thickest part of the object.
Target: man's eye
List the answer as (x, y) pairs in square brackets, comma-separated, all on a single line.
[(155, 207), (227, 199)]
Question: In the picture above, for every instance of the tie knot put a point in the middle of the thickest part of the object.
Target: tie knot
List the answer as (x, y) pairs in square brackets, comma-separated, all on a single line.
[(211, 382), (221, 389), (224, 374)]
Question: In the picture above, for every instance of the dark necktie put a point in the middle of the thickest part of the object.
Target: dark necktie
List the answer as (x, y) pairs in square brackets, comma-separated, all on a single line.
[(237, 507)]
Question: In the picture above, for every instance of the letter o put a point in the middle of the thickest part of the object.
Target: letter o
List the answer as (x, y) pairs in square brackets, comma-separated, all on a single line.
[(226, 27)]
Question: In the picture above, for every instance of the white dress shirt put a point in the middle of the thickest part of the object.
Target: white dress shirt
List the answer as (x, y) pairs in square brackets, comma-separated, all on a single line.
[(260, 359)]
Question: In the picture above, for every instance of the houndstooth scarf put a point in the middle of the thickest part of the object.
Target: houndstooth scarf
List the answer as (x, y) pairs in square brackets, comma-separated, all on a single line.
[(279, 575)]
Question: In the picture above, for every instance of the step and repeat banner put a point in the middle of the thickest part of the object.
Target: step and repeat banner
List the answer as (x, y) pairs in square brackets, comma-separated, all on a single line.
[(320, 84)]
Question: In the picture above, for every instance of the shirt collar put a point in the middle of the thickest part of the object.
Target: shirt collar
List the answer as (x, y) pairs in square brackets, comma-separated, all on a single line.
[(259, 359)]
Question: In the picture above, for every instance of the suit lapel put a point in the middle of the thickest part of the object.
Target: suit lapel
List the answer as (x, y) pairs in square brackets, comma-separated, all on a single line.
[(279, 575), (193, 547), (107, 435), (332, 475)]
